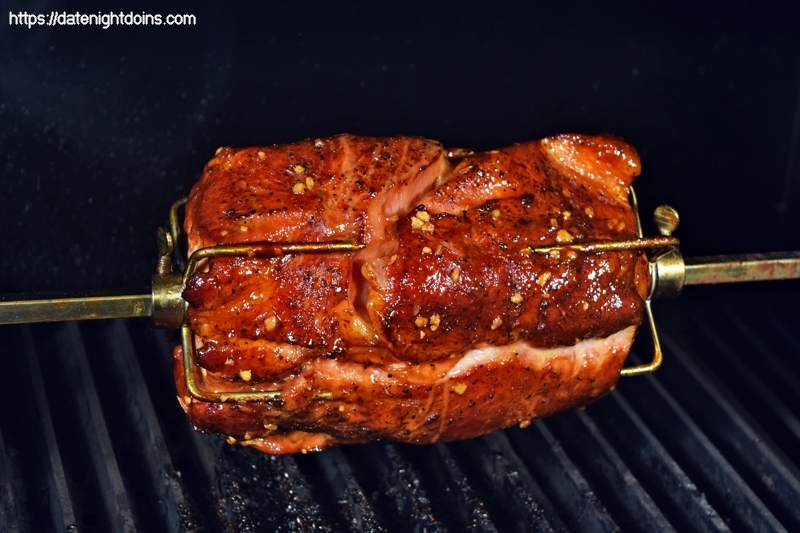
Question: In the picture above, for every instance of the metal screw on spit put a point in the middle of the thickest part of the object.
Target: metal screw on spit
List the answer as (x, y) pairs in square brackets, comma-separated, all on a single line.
[(666, 219)]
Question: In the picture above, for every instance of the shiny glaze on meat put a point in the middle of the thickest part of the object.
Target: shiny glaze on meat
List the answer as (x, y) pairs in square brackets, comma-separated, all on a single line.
[(447, 281), (342, 188), (339, 188), (469, 277)]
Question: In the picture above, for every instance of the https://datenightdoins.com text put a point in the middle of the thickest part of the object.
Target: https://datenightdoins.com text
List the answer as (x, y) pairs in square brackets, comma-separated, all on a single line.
[(102, 20)]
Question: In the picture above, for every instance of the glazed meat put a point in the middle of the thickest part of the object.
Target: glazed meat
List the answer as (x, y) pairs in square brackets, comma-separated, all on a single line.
[(445, 325)]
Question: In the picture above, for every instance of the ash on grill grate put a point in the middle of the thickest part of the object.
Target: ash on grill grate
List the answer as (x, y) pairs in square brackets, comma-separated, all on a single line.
[(92, 439)]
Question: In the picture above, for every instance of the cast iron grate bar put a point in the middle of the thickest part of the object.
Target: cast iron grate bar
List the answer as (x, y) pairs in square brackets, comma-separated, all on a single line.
[(302, 510), (25, 454), (62, 514), (613, 482), (194, 455), (203, 445), (8, 511), (516, 502), (577, 504), (237, 514), (728, 493), (775, 420), (662, 476), (394, 487), (770, 357), (78, 376), (470, 507), (352, 505), (167, 492), (453, 500), (740, 438), (259, 492)]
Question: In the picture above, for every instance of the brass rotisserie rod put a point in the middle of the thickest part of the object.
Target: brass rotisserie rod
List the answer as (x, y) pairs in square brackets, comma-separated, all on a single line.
[(740, 268), (698, 271), (30, 308)]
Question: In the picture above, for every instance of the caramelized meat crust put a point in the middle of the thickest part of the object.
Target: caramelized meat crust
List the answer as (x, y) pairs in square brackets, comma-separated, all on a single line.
[(446, 325)]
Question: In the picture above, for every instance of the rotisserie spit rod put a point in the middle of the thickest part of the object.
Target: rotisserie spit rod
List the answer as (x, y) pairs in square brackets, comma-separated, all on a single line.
[(671, 274)]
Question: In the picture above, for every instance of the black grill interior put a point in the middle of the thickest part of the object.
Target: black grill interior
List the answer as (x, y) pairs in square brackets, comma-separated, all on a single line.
[(101, 130), (93, 439)]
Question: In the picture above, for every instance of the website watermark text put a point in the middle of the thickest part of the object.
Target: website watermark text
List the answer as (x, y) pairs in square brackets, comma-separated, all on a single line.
[(104, 20)]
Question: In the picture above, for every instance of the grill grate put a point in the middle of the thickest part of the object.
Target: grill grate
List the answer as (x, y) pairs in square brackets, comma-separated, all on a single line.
[(92, 439)]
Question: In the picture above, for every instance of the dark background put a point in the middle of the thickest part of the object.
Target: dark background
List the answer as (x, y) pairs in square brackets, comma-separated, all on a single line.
[(101, 130)]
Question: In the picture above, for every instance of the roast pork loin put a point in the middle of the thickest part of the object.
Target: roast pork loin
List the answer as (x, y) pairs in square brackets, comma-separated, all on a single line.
[(445, 326)]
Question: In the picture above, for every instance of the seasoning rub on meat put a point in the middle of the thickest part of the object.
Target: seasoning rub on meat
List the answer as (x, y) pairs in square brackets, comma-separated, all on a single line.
[(445, 326)]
